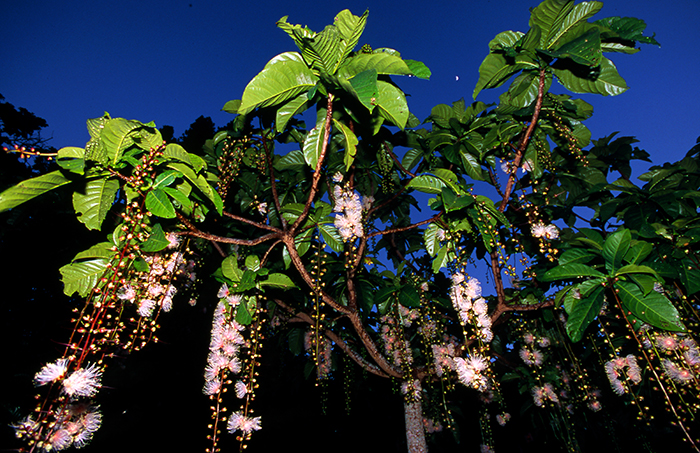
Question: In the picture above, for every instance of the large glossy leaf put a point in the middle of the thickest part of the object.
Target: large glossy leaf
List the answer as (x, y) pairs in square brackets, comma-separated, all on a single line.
[(615, 248), (654, 308), (30, 188), (200, 182), (71, 159), (276, 280), (607, 82), (392, 105), (363, 86), (100, 250), (427, 184), (331, 236), (349, 143), (290, 108), (583, 311), (494, 71), (627, 28), (549, 16), (158, 203), (383, 63), (571, 26), (313, 144), (82, 276), (581, 256), (95, 201), (418, 69), (584, 50), (350, 28), (570, 271), (117, 136), (283, 78), (505, 40), (156, 240), (177, 152), (523, 91), (690, 276)]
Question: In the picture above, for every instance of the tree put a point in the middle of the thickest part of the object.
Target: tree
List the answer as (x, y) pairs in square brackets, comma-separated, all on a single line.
[(320, 251)]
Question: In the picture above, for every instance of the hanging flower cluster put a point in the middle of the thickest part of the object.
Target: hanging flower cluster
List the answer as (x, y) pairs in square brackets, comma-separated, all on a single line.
[(622, 367), (395, 345), (540, 394), (322, 354), (225, 344), (73, 420), (155, 289), (349, 206), (472, 371), (470, 306), (529, 352)]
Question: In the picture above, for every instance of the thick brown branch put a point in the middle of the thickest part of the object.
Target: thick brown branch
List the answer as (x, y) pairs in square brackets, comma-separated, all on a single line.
[(225, 240), (504, 308)]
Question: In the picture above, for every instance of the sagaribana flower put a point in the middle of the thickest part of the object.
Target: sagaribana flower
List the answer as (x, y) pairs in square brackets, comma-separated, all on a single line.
[(544, 393), (540, 230), (622, 366), (676, 373), (502, 419), (173, 240), (51, 372), (667, 343), (349, 206), (239, 422), (471, 372), (83, 381)]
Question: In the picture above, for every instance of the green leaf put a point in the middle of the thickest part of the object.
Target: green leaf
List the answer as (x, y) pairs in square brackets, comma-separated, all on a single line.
[(350, 28), (505, 40), (584, 50), (494, 71), (313, 144), (180, 197), (82, 277), (252, 262), (159, 204), (232, 106), (523, 91), (117, 136), (606, 82), (289, 109), (427, 184), (432, 243), (570, 256), (571, 26), (363, 86), (200, 182), (628, 28), (174, 151), (94, 203), (71, 159), (654, 308), (284, 77), (350, 144), (392, 105), (418, 69), (690, 276), (549, 16), (165, 178), (570, 271), (331, 237), (294, 160), (615, 248), (409, 297), (30, 188), (278, 281), (156, 240), (100, 250), (441, 260), (583, 311), (636, 269), (229, 267), (383, 63)]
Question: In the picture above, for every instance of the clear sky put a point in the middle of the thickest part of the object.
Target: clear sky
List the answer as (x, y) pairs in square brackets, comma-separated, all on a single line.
[(172, 61)]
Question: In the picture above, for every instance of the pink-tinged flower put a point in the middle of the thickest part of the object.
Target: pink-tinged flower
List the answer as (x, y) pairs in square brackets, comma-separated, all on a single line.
[(234, 299), (166, 303), (83, 381), (473, 289), (480, 306), (173, 240), (212, 387), (528, 338), (527, 165), (60, 439), (127, 292), (540, 230), (239, 422), (146, 307), (431, 426), (634, 373), (241, 389), (51, 372), (666, 343), (477, 362), (457, 278), (594, 405), (262, 208), (502, 419), (338, 177), (486, 335), (676, 373), (223, 291), (155, 290), (544, 342), (486, 449)]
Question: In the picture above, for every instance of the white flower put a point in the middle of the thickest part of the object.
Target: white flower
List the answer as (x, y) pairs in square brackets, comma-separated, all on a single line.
[(146, 307), (51, 372), (241, 389), (83, 381), (338, 177), (173, 240), (247, 425)]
